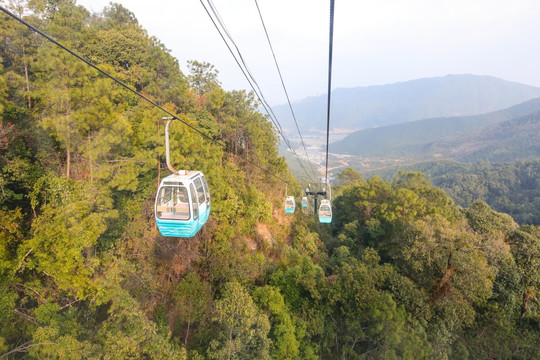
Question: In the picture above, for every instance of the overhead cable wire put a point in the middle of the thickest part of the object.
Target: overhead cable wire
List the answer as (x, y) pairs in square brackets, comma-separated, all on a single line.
[(284, 88), (245, 69), (127, 87), (329, 83), (249, 77), (229, 36), (247, 73)]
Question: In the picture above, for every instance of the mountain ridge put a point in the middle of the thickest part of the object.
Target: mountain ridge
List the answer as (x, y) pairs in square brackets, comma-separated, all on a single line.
[(380, 105), (392, 139)]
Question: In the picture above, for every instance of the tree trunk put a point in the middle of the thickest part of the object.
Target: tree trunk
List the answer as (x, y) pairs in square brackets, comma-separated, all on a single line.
[(91, 171), (68, 161), (187, 332), (525, 302), (20, 13), (442, 286), (68, 145), (26, 74), (230, 343), (91, 165)]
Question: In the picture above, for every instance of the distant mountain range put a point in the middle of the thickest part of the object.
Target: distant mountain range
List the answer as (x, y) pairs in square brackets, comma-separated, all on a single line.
[(517, 129), (382, 105)]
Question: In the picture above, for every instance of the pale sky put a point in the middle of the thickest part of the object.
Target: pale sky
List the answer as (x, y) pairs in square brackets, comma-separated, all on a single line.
[(375, 41)]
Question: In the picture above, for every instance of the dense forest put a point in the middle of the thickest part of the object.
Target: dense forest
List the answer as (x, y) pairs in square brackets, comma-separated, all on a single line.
[(401, 273), (512, 188)]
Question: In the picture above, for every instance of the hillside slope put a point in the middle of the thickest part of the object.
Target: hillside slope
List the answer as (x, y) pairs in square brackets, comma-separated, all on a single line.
[(418, 136), (507, 141)]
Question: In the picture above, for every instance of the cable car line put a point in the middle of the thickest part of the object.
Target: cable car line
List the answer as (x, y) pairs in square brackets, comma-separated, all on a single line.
[(284, 88), (329, 83), (127, 87), (245, 69), (229, 36), (325, 210), (249, 77)]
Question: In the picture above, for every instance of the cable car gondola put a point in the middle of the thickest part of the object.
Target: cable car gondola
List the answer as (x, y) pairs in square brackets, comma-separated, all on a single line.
[(182, 204), (304, 201), (325, 212), (290, 204)]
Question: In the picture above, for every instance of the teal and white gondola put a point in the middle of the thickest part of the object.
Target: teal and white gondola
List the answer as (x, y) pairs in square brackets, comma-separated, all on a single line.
[(182, 204), (325, 209), (290, 205), (325, 212), (304, 201)]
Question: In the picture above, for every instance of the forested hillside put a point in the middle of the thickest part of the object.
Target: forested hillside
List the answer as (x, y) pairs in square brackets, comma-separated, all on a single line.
[(516, 139), (84, 272), (512, 188), (462, 279), (401, 273)]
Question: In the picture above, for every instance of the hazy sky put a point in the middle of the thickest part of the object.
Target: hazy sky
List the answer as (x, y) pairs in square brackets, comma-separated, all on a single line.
[(375, 41)]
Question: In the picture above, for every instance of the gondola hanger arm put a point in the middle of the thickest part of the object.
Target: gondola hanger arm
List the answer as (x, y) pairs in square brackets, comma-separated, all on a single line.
[(167, 147)]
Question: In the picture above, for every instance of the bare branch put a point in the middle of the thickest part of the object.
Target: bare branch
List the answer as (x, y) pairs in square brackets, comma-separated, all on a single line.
[(22, 261), (27, 317), (25, 347)]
